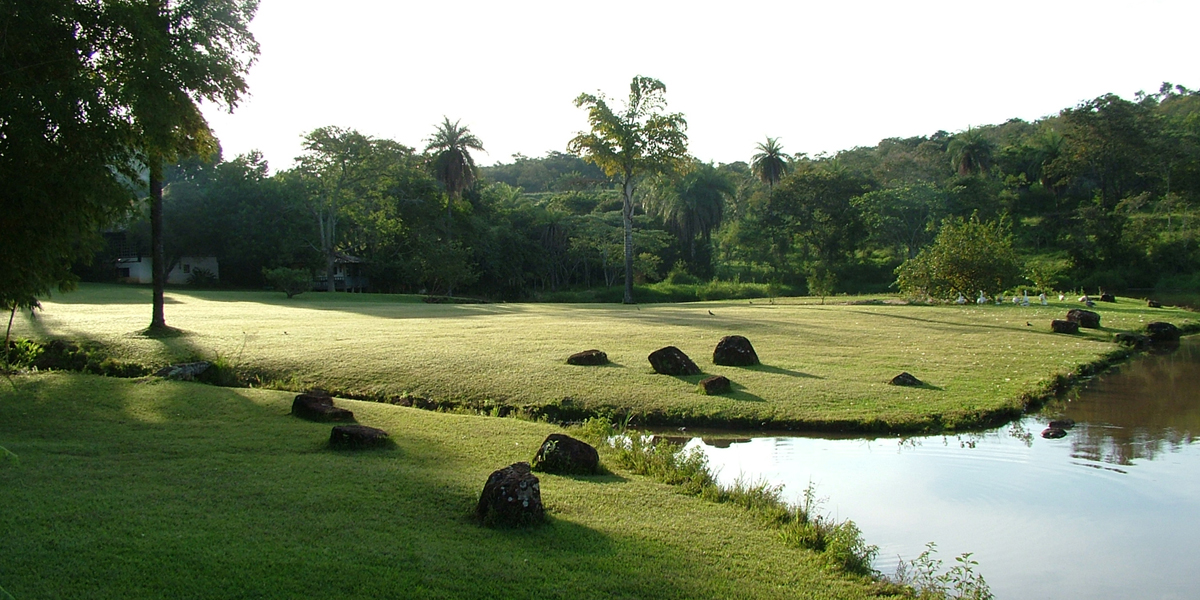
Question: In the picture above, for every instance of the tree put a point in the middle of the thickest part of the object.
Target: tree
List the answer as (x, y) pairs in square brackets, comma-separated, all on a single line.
[(966, 257), (970, 152), (452, 163), (163, 58), (638, 140), (64, 158), (904, 217), (770, 163), (692, 206)]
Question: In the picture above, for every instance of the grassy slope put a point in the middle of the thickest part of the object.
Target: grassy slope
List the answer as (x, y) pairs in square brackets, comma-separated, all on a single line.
[(823, 365), (156, 489)]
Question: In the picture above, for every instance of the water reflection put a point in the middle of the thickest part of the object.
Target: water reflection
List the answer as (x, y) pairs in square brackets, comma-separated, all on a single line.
[(1106, 512)]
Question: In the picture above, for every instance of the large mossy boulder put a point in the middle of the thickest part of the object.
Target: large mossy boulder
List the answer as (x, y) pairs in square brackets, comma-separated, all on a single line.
[(565, 455), (1163, 332), (672, 361), (1132, 340), (735, 351), (906, 379), (357, 437), (511, 497), (1086, 318), (588, 358), (318, 406), (716, 385)]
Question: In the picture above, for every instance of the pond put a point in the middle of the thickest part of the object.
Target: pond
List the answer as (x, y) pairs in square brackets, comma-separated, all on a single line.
[(1112, 510)]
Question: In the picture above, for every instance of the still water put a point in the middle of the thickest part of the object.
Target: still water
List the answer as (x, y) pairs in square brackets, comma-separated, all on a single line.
[(1110, 511)]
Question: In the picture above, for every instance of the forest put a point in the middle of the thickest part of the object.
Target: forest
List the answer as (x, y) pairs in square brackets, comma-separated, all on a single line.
[(1102, 195)]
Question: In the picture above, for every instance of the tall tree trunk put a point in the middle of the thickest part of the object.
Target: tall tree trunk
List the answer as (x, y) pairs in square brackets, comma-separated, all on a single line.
[(627, 218), (158, 257), (8, 332), (330, 268)]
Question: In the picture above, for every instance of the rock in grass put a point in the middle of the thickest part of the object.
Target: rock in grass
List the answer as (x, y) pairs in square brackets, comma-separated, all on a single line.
[(1086, 318), (1133, 340), (1154, 304), (1163, 332), (717, 384), (357, 437), (734, 351), (906, 379), (1053, 433), (1108, 298), (318, 406), (564, 454), (511, 497), (183, 372), (672, 361), (588, 357), (1060, 326)]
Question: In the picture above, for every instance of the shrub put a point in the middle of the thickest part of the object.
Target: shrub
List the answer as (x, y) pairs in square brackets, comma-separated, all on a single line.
[(202, 278), (289, 281), (967, 256)]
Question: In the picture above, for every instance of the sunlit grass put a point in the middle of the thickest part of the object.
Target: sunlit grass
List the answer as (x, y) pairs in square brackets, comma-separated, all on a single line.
[(155, 489), (824, 366)]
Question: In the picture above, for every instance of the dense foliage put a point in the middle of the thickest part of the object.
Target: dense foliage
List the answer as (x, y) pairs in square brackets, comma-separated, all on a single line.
[(1103, 194)]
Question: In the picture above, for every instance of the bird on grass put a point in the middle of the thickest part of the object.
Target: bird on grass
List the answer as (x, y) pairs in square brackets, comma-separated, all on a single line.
[(711, 313)]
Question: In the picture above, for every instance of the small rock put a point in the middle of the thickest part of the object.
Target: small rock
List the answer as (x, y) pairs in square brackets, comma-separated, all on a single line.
[(1133, 340), (1059, 326), (1163, 332), (357, 437), (319, 407), (906, 379), (1108, 298), (587, 358), (1053, 433), (1154, 304), (1086, 318), (715, 385), (734, 351), (1062, 424), (564, 454), (672, 361), (511, 497), (183, 372)]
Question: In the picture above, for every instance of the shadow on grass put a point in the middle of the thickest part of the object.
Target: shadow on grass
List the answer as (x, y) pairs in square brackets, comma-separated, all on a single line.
[(780, 371)]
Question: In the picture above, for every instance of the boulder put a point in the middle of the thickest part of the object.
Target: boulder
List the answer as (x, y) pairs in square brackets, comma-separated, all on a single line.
[(185, 371), (357, 437), (1108, 298), (1060, 326), (1134, 340), (511, 497), (566, 455), (906, 379), (317, 406), (1086, 318), (1163, 332), (717, 384), (1053, 433), (734, 351), (588, 357), (1153, 304), (672, 361)]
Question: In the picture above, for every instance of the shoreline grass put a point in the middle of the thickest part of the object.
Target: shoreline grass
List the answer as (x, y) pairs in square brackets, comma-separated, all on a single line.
[(130, 488), (825, 367)]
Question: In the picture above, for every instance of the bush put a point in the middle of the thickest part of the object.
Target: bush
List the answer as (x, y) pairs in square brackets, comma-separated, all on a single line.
[(968, 256), (289, 281), (202, 278)]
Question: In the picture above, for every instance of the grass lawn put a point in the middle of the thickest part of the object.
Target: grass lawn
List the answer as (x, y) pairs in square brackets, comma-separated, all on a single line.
[(144, 488), (824, 366)]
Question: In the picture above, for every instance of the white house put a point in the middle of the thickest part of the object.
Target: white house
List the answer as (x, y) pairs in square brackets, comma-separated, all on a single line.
[(139, 269)]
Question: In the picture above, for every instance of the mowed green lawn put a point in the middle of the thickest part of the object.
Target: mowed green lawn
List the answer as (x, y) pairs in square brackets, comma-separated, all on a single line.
[(824, 366), (156, 489)]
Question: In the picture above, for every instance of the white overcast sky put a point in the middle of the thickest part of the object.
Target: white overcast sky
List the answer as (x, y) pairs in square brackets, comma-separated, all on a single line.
[(823, 76)]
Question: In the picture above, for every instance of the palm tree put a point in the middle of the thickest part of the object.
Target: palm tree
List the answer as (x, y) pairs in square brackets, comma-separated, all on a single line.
[(452, 162), (769, 164), (970, 152), (694, 205)]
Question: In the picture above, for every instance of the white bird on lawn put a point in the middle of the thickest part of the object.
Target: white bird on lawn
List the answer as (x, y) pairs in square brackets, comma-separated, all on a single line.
[(982, 299), (1024, 298), (1042, 297), (960, 300), (1062, 297)]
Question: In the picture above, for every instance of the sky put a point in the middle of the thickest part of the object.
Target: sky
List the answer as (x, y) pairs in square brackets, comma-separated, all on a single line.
[(821, 76)]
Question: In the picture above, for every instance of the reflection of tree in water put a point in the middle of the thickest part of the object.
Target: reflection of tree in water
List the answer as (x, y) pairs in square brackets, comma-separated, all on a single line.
[(1150, 407)]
